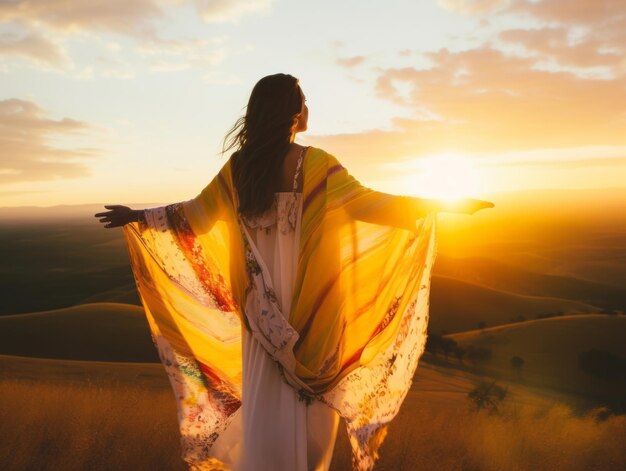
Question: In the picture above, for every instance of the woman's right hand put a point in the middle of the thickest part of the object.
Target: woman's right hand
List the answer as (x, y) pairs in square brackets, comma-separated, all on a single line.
[(464, 206), (117, 216), (471, 205)]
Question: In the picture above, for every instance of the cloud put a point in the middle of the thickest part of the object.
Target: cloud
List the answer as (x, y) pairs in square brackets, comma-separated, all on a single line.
[(34, 47), (483, 101), (585, 13), (26, 149), (229, 11), (492, 99), (42, 27), (136, 18), (487, 100), (128, 17), (373, 146), (350, 62), (582, 34), (556, 44), (580, 13), (470, 7)]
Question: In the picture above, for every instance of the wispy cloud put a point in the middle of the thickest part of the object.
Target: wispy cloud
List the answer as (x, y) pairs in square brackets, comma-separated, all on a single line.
[(229, 11), (350, 62), (27, 152), (129, 17), (40, 29), (558, 45), (489, 100), (570, 34), (34, 47), (136, 18), (485, 101), (470, 7), (522, 88)]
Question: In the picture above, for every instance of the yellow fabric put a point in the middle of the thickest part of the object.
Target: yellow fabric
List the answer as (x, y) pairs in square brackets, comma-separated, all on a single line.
[(359, 308)]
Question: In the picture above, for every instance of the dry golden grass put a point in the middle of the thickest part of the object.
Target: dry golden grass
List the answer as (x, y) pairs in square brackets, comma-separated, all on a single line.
[(552, 439), (524, 438), (67, 426), (120, 426)]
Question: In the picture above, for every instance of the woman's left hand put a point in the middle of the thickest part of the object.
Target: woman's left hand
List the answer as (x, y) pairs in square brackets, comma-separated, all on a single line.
[(117, 216)]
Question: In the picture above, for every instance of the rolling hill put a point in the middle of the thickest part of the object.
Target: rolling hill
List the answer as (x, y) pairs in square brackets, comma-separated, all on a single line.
[(550, 349), (502, 276), (458, 306), (99, 332)]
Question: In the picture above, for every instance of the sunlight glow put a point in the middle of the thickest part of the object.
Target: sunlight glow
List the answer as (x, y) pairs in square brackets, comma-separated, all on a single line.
[(447, 176)]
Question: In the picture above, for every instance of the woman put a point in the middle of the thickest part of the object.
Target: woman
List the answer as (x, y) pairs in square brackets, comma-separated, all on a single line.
[(284, 296)]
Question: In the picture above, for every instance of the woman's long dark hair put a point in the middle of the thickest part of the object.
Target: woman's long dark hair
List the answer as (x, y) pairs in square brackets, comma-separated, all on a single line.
[(262, 138)]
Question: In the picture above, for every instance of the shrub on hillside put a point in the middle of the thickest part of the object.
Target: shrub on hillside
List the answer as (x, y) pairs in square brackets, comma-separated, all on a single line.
[(517, 362), (488, 396), (602, 364)]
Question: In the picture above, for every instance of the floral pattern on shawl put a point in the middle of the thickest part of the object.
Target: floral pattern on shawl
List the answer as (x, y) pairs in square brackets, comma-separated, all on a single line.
[(206, 403), (371, 396), (212, 281)]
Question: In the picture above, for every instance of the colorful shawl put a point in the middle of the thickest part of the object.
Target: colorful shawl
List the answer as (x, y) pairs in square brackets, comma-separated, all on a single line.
[(357, 325)]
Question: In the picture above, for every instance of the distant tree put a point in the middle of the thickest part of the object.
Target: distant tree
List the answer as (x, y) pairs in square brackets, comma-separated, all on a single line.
[(487, 395), (459, 353), (447, 346), (601, 413), (602, 364), (517, 362), (482, 325), (433, 343), (519, 318)]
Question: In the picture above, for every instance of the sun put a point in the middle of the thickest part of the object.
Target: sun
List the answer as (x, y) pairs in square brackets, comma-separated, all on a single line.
[(446, 176)]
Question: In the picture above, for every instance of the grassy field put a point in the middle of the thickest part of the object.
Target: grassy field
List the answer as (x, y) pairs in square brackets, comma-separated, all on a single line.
[(112, 416)]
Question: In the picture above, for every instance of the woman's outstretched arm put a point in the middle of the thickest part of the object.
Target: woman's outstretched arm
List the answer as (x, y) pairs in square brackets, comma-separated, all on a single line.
[(119, 215), (373, 206), (402, 211), (462, 206)]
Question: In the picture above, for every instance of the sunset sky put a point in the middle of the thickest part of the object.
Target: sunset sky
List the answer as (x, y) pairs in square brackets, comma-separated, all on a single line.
[(125, 101)]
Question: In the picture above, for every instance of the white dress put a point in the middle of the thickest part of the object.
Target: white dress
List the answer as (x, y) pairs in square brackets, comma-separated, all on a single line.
[(274, 430)]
